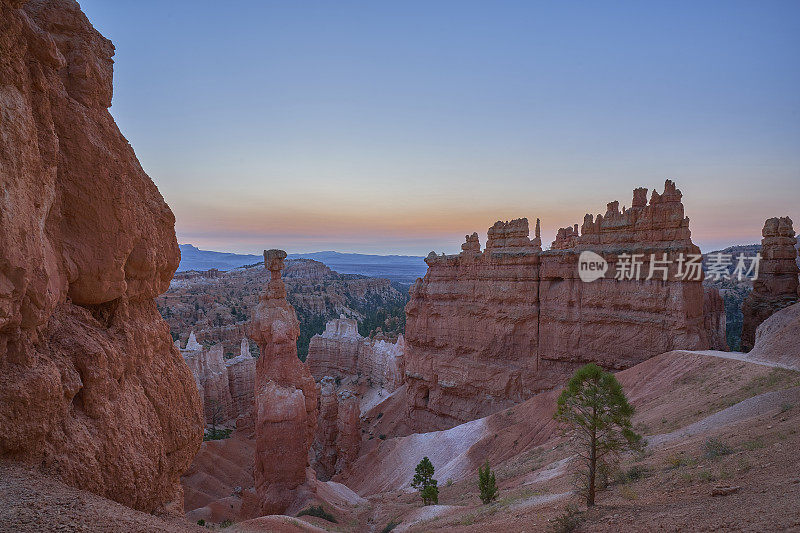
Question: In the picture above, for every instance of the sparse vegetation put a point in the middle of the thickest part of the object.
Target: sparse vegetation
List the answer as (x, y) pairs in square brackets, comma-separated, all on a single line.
[(713, 449), (567, 522), (596, 415), (319, 512), (390, 526), (424, 482), (486, 484), (217, 434)]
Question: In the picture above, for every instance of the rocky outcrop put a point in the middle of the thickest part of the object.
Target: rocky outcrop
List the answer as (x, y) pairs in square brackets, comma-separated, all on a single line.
[(715, 319), (485, 330), (92, 388), (285, 396), (241, 383), (335, 352), (776, 286), (211, 377), (776, 338), (225, 385), (341, 352), (338, 435)]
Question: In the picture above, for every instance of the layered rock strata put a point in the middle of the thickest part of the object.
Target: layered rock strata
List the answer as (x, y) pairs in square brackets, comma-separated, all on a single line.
[(340, 352), (92, 388), (285, 396), (776, 286), (489, 329)]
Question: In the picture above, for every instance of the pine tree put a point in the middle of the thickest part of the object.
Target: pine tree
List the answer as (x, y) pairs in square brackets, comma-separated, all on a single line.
[(486, 484), (424, 482), (596, 415)]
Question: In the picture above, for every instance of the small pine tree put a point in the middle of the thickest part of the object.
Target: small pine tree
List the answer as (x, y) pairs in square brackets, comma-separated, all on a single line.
[(486, 484), (596, 416), (424, 482)]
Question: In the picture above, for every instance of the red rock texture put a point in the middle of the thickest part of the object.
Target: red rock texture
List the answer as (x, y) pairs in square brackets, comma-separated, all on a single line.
[(285, 396), (338, 435), (714, 318), (777, 284), (91, 387), (487, 330), (341, 352)]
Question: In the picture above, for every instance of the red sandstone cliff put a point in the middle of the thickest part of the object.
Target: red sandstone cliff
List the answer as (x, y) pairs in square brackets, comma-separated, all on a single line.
[(91, 387), (285, 396), (488, 329), (777, 285)]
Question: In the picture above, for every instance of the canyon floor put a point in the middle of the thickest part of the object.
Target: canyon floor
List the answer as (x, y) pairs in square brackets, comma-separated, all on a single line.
[(714, 424)]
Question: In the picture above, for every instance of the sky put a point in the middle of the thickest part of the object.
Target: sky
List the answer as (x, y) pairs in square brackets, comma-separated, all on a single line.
[(399, 127)]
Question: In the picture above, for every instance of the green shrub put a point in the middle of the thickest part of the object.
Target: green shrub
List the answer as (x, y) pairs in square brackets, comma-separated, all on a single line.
[(319, 512), (486, 483), (217, 434), (201, 522)]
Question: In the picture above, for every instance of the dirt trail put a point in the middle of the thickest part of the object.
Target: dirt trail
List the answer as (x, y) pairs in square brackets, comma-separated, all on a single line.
[(739, 356)]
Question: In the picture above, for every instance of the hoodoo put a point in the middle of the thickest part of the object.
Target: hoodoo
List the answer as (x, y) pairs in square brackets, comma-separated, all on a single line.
[(285, 396), (776, 286)]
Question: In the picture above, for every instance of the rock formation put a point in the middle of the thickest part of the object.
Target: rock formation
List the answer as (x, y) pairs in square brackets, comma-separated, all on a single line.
[(338, 435), (341, 352), (225, 385), (92, 388), (714, 318), (218, 309), (489, 329), (192, 344), (285, 396), (776, 286)]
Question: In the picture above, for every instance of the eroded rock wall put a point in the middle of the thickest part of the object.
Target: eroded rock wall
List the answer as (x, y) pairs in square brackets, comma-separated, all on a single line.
[(341, 352), (777, 285), (489, 329), (91, 386)]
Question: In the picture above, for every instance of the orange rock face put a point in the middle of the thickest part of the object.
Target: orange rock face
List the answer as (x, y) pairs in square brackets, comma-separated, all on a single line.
[(91, 386), (285, 396), (489, 329), (777, 285)]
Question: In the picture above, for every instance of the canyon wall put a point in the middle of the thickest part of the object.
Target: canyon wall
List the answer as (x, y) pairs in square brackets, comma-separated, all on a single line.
[(340, 352), (285, 396), (777, 285), (488, 329), (225, 385), (92, 388)]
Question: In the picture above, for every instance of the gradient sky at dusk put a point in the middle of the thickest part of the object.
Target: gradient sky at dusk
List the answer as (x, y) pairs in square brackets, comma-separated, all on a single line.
[(398, 127)]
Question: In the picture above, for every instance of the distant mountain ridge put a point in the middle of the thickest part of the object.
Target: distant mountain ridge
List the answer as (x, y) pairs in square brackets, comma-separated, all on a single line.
[(401, 268)]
